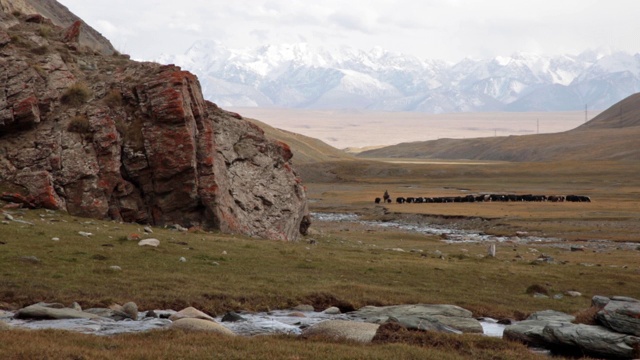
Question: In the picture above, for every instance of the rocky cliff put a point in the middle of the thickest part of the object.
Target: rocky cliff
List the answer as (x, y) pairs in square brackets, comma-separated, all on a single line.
[(103, 136)]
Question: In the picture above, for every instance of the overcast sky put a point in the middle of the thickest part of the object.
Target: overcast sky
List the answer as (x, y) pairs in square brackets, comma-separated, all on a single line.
[(436, 29)]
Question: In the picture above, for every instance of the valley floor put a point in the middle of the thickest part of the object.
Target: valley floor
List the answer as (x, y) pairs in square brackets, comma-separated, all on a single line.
[(348, 264), (359, 130)]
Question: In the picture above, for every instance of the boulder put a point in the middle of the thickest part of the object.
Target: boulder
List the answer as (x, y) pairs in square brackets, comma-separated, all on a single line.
[(332, 311), (39, 312), (423, 316), (131, 309), (599, 301), (149, 242), (530, 331), (592, 340), (622, 315), (190, 313), (192, 324), (343, 329)]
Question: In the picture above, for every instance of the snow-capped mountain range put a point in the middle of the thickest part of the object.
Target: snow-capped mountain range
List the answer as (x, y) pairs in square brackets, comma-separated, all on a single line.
[(299, 76)]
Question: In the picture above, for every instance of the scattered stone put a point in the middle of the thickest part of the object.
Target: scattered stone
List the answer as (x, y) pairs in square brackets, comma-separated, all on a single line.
[(134, 237), (343, 329), (540, 296), (115, 268), (39, 312), (149, 242), (304, 308), (30, 259), (491, 251), (544, 259), (224, 253), (332, 311), (4, 326), (193, 324), (179, 227), (131, 309), (191, 313), (8, 217), (232, 317), (183, 259), (151, 314), (148, 230), (84, 233), (571, 293), (575, 248), (55, 239), (558, 297), (76, 306)]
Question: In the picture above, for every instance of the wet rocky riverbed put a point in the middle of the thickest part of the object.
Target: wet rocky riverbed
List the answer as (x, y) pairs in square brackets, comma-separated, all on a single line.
[(450, 233), (291, 322)]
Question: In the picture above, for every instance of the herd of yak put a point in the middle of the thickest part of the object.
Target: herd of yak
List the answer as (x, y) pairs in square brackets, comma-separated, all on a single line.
[(483, 198)]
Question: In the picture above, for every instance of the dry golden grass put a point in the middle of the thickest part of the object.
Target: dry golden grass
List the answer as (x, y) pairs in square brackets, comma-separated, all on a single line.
[(76, 94), (177, 345), (612, 135), (307, 150)]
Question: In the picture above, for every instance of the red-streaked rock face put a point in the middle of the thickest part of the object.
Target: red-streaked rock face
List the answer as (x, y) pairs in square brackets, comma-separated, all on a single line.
[(144, 146)]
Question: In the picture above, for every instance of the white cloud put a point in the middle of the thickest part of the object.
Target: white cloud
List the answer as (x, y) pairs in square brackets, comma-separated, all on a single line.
[(446, 29)]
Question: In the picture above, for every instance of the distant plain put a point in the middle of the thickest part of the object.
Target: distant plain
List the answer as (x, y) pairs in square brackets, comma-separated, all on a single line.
[(367, 129)]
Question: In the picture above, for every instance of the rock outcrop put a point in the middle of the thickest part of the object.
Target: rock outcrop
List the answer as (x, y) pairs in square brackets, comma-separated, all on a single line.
[(107, 137), (59, 15), (438, 317), (612, 337)]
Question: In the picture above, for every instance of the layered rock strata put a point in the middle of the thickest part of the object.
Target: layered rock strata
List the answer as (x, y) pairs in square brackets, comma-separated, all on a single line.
[(107, 137)]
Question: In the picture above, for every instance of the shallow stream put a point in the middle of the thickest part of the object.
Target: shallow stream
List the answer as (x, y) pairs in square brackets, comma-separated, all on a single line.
[(267, 323), (453, 235)]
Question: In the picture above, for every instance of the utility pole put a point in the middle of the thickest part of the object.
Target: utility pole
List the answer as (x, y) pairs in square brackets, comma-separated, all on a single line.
[(585, 113)]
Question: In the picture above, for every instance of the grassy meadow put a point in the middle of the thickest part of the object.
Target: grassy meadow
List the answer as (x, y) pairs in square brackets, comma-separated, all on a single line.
[(346, 265)]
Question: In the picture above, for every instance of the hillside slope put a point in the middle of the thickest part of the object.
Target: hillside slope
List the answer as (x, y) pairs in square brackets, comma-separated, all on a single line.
[(612, 135), (59, 15), (305, 149)]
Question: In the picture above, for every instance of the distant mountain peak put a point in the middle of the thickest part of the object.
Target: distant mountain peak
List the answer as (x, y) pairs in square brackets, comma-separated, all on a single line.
[(303, 76)]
